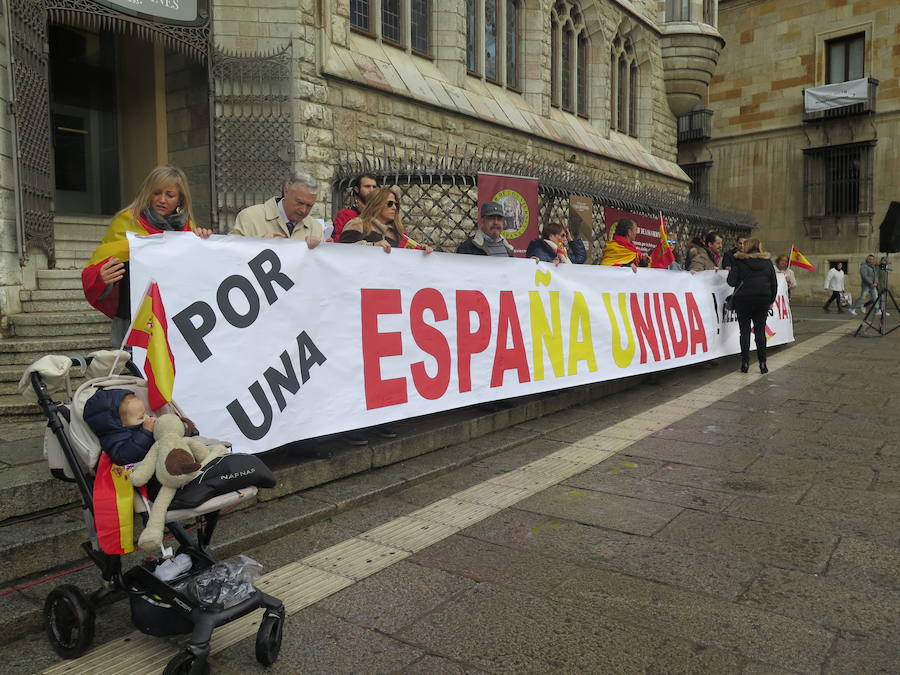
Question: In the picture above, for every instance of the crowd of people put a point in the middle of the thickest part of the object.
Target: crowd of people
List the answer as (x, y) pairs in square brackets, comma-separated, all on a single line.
[(163, 202)]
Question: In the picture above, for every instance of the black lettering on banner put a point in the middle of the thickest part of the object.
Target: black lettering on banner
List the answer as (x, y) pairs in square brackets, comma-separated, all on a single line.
[(274, 275), (309, 355), (194, 334), (223, 298), (286, 380), (252, 431)]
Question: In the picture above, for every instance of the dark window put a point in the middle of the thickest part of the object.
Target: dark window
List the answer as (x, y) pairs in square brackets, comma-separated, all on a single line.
[(838, 180), (390, 20), (623, 99), (845, 58), (632, 100), (512, 44), (613, 68), (471, 37), (709, 12), (490, 39), (678, 10), (554, 63), (581, 80), (359, 14), (699, 175), (418, 23), (567, 69)]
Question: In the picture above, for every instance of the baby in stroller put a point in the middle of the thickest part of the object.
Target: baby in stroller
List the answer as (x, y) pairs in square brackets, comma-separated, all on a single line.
[(115, 406)]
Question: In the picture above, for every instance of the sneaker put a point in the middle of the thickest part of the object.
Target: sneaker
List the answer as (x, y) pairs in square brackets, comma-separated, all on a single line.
[(852, 311), (355, 438), (386, 432), (173, 567)]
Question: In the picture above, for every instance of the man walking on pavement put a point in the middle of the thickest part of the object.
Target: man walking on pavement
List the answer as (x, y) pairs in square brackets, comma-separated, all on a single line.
[(868, 280)]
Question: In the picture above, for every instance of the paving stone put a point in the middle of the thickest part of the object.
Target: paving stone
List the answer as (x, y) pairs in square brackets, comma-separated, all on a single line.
[(543, 636), (395, 597), (720, 575), (840, 473), (855, 654), (860, 563), (698, 454), (622, 464), (852, 501), (764, 542), (597, 508), (759, 635), (651, 490), (813, 519), (316, 642), (789, 489), (435, 665), (17, 431), (887, 482), (837, 441), (827, 601), (709, 435), (25, 451)]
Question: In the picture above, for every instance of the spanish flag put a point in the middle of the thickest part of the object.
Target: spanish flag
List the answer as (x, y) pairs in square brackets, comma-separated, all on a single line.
[(799, 260), (662, 256), (114, 507), (619, 251), (150, 331)]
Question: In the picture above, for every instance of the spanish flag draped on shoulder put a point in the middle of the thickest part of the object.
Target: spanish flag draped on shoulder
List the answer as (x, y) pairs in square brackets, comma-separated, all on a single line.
[(619, 251), (662, 256), (799, 260), (114, 245), (150, 331)]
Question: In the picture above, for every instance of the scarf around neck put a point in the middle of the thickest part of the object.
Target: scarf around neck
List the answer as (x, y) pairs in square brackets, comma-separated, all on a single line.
[(173, 222)]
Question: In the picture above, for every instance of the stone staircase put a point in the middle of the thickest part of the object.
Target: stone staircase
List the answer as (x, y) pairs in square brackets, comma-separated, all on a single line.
[(55, 318)]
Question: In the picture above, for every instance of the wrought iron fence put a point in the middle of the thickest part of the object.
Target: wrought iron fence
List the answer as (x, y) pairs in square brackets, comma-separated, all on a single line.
[(440, 194)]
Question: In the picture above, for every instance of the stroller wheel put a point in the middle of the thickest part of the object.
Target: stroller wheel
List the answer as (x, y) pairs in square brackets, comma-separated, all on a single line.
[(185, 663), (69, 619), (268, 639)]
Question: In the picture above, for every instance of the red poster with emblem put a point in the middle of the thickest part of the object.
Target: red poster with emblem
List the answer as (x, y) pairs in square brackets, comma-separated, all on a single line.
[(519, 197), (647, 227)]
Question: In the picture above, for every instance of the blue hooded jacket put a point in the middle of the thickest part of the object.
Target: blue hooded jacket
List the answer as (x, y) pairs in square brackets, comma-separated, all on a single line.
[(124, 445)]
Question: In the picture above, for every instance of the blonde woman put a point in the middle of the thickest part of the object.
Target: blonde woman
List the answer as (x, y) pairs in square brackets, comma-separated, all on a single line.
[(379, 224), (162, 203)]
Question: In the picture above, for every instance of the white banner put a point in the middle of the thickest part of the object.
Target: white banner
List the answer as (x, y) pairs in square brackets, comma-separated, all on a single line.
[(836, 95), (274, 342)]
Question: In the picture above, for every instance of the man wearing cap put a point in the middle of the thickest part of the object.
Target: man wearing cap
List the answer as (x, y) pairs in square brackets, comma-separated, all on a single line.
[(488, 240)]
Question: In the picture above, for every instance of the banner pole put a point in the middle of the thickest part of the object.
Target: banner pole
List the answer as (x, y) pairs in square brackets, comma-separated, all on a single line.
[(130, 326)]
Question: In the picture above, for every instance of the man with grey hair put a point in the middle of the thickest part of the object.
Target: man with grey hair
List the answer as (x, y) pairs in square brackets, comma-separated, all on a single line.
[(284, 217), (488, 240)]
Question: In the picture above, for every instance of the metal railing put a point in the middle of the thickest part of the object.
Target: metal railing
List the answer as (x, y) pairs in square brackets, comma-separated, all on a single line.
[(695, 126), (861, 108), (440, 193)]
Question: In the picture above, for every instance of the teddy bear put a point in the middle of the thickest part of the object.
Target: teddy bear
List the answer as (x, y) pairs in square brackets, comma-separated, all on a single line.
[(176, 460)]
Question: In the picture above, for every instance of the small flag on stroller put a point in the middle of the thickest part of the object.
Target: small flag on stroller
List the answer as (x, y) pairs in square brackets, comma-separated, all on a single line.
[(149, 331)]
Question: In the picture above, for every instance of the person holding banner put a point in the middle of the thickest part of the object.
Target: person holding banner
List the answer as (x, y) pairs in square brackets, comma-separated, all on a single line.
[(488, 240), (551, 246), (284, 217), (379, 224), (755, 287), (707, 253), (621, 250), (162, 203)]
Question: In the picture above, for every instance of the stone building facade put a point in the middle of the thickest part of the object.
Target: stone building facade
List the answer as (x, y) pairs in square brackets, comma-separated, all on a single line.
[(251, 87), (821, 181)]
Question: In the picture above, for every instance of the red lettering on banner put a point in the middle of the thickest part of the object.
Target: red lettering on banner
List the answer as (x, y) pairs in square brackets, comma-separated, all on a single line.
[(430, 340), (380, 393), (695, 323), (657, 310), (467, 342), (643, 326), (509, 358), (679, 343)]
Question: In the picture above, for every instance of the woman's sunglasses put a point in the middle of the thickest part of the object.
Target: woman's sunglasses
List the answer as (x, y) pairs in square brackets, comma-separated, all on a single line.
[(391, 204)]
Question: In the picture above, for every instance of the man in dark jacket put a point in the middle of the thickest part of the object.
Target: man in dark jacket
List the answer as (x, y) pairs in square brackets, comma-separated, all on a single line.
[(728, 258), (488, 240)]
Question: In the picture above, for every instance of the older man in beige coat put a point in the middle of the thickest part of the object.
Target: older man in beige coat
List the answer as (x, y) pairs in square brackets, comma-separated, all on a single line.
[(284, 217)]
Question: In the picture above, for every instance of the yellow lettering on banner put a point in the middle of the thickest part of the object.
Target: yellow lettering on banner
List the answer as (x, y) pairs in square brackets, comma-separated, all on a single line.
[(580, 324), (543, 334), (622, 356)]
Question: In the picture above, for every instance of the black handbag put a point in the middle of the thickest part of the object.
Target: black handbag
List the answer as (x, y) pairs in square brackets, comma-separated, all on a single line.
[(222, 475), (729, 301)]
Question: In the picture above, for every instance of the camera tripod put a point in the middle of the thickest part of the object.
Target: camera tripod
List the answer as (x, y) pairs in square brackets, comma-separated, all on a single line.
[(878, 322)]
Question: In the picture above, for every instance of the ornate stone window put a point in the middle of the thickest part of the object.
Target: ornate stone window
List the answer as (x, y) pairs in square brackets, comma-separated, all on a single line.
[(568, 59), (493, 40), (624, 86), (396, 22), (678, 10)]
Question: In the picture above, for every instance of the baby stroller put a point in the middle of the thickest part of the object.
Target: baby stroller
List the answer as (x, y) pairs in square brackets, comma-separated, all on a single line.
[(157, 607)]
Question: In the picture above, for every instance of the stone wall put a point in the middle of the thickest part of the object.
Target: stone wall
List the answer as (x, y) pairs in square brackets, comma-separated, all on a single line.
[(353, 93), (775, 49)]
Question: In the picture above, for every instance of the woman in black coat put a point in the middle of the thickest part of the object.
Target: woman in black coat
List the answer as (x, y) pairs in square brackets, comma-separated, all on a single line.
[(755, 285)]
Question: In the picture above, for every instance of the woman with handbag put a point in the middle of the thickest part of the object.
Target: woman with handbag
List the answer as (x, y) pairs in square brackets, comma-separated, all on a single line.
[(755, 284)]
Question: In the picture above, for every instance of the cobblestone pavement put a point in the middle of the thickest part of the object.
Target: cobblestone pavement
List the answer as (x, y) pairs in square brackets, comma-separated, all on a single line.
[(755, 533)]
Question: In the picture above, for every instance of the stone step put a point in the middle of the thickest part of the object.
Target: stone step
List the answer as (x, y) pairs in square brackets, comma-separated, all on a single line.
[(14, 407), (53, 324), (79, 229), (27, 350), (59, 279), (54, 301)]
